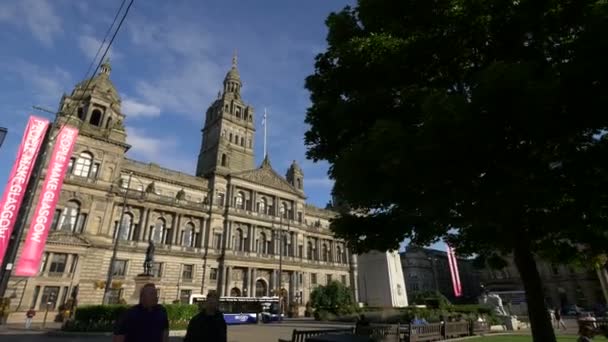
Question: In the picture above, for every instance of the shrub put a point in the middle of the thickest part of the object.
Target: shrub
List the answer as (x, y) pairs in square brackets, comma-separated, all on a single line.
[(334, 298), (98, 318)]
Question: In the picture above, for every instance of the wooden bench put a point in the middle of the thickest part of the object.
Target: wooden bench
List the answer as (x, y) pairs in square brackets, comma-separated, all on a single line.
[(387, 333), (456, 329), (479, 328), (424, 332), (302, 335)]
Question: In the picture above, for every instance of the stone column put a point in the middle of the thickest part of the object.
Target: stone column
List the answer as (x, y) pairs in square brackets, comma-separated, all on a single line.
[(143, 230), (177, 223), (228, 281)]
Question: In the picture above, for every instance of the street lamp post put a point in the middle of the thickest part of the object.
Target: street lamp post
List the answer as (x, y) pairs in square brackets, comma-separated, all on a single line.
[(2, 135), (106, 292)]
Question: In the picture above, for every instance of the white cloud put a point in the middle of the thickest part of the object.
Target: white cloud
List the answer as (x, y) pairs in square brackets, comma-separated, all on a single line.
[(135, 109), (38, 16), (90, 45), (324, 182), (44, 84), (158, 150)]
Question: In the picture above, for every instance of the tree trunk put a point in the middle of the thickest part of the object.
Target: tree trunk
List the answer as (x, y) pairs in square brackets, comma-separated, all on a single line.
[(542, 330)]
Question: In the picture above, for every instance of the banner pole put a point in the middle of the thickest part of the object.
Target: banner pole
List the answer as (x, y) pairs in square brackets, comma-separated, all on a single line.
[(13, 246)]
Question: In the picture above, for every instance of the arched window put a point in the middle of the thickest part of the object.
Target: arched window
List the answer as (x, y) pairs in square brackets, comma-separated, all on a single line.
[(125, 227), (82, 168), (95, 117), (224, 159), (239, 201), (68, 220), (309, 251), (339, 251), (158, 231), (230, 137), (242, 141), (109, 123), (187, 235), (299, 182), (262, 244), (262, 205), (261, 290), (81, 113), (238, 240), (325, 252)]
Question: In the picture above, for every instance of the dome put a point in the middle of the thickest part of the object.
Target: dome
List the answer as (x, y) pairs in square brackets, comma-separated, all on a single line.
[(233, 74)]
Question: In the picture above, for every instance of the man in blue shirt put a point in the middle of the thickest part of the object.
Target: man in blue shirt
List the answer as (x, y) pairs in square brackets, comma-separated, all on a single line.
[(144, 322)]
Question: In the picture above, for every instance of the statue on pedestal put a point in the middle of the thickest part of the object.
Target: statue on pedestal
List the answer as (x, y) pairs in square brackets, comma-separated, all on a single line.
[(149, 261)]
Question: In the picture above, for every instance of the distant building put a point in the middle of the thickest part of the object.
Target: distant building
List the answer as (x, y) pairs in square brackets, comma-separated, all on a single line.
[(380, 279), (563, 285), (427, 270)]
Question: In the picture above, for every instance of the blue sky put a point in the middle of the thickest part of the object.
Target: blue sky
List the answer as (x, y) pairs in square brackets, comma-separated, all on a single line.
[(168, 63)]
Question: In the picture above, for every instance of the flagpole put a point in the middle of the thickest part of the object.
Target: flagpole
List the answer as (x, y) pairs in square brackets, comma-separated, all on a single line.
[(265, 133)]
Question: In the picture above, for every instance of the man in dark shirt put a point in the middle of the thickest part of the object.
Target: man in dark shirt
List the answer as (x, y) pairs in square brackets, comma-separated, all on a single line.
[(144, 322), (209, 324)]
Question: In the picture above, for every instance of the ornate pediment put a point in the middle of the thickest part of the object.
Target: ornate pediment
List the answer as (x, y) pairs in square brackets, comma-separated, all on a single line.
[(265, 175), (59, 237)]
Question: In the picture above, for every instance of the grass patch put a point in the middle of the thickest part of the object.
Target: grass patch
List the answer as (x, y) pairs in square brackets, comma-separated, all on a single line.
[(513, 338)]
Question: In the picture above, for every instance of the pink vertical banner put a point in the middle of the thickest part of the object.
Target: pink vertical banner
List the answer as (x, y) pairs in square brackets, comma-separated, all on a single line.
[(453, 262), (19, 177), (31, 255)]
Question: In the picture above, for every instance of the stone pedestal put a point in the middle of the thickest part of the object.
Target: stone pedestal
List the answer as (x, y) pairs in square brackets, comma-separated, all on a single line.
[(140, 281), (511, 322)]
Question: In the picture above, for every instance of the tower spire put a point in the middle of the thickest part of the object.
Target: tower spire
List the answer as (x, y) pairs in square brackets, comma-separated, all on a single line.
[(105, 68), (265, 124), (235, 59)]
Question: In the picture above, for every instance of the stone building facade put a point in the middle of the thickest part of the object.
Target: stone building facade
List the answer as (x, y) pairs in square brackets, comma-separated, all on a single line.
[(564, 285), (222, 229), (428, 270)]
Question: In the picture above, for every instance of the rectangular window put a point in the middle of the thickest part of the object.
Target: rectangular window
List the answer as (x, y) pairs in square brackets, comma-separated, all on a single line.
[(157, 269), (115, 296), (343, 279), (300, 280), (35, 296), (94, 171), (313, 278), (49, 297), (300, 217), (187, 272), (328, 279), (58, 264), (120, 268), (213, 274), (217, 240), (56, 217), (184, 296), (195, 240), (80, 223)]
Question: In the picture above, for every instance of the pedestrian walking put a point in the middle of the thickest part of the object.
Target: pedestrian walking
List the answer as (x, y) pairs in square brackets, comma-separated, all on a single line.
[(559, 322), (144, 322), (209, 324), (585, 334), (29, 316)]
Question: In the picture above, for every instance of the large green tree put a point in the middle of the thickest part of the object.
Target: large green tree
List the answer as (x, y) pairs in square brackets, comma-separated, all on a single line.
[(477, 121)]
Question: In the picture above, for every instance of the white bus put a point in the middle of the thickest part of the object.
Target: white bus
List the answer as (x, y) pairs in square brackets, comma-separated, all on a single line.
[(243, 310)]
